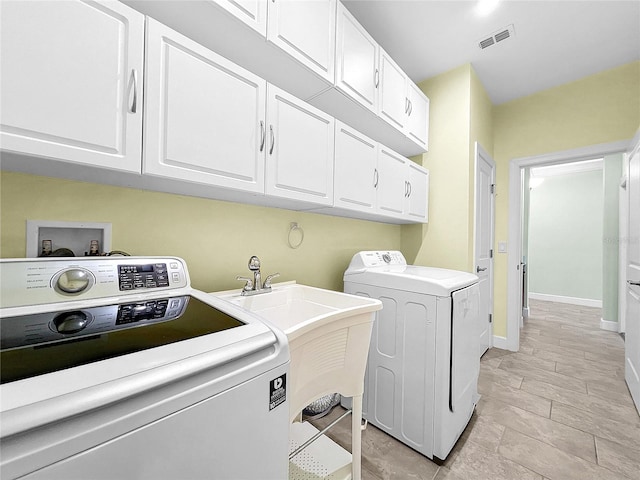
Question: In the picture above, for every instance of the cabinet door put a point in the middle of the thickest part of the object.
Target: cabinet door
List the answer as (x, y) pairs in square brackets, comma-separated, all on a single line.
[(392, 177), (305, 30), (71, 83), (393, 102), (417, 193), (204, 119), (418, 121), (251, 12), (356, 61), (299, 150), (355, 175)]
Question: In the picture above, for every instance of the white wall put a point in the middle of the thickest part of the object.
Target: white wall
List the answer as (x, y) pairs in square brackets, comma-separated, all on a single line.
[(565, 237)]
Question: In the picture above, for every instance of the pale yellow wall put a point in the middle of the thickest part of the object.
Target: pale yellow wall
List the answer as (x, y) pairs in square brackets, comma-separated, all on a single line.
[(215, 238), (443, 242), (598, 109), (460, 115)]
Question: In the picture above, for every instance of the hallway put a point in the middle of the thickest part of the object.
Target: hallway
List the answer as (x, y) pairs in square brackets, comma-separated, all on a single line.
[(559, 409)]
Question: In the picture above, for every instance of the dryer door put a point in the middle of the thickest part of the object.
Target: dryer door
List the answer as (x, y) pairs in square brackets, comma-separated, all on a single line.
[(465, 355)]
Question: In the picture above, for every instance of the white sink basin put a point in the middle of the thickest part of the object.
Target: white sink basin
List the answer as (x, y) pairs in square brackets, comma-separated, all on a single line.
[(296, 309)]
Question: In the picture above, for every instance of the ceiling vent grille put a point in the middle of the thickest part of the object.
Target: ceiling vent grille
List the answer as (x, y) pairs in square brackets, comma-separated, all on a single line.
[(497, 36)]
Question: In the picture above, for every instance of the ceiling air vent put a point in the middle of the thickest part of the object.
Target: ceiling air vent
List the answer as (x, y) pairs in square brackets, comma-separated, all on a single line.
[(497, 36)]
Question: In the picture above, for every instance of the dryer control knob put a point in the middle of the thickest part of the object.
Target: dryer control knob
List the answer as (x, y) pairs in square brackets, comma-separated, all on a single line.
[(75, 280)]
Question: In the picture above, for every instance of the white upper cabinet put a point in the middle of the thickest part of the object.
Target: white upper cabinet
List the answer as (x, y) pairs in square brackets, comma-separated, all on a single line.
[(251, 12), (299, 145), (417, 193), (417, 127), (394, 104), (205, 116), (402, 104), (356, 175), (357, 72), (306, 31), (71, 82), (391, 182)]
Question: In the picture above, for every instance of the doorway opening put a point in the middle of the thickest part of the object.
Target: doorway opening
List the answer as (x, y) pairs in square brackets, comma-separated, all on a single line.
[(515, 259)]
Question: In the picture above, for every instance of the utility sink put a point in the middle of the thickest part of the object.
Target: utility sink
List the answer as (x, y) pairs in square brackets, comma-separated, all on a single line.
[(329, 334), (297, 309)]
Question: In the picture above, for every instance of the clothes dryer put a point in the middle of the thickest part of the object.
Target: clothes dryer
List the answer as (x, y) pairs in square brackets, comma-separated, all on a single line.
[(423, 365)]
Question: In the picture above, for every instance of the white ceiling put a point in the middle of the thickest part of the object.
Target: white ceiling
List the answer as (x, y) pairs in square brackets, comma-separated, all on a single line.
[(555, 42)]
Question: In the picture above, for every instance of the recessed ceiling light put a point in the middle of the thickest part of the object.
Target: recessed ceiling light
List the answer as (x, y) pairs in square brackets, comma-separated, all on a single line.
[(485, 7)]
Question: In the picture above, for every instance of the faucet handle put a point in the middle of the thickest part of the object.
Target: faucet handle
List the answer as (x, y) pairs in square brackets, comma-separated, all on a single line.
[(248, 286), (267, 281)]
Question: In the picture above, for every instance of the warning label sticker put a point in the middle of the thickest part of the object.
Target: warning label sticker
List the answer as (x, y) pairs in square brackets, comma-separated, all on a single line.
[(277, 391)]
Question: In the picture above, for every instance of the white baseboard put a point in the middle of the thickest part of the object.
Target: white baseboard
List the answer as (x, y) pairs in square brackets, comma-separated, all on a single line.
[(608, 325), (500, 342), (585, 302)]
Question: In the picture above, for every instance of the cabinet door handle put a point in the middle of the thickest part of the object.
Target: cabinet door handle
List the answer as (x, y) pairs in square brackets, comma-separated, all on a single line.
[(406, 106), (376, 177), (273, 139), (262, 135), (409, 185), (478, 269), (133, 108), (410, 107), (631, 282), (377, 78)]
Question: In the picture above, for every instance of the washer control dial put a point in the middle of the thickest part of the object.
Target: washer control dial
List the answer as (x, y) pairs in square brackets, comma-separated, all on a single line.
[(71, 322), (73, 281), (386, 257)]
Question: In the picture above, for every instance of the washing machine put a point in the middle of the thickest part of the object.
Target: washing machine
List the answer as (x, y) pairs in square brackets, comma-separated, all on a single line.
[(114, 367), (424, 361)]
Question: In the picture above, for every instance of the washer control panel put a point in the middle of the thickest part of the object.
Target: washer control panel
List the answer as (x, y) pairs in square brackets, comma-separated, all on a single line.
[(36, 281), (150, 275)]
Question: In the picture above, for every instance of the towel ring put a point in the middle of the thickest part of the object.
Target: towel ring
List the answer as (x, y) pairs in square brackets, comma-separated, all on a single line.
[(294, 227)]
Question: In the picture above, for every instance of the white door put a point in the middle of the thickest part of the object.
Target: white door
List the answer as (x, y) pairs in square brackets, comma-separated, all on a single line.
[(71, 82), (391, 182), (484, 228), (632, 335), (356, 61), (300, 140), (204, 116), (305, 30), (393, 101), (356, 156), (418, 121), (251, 12), (417, 193)]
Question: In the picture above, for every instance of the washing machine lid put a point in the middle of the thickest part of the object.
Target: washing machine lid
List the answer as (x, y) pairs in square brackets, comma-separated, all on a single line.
[(413, 278)]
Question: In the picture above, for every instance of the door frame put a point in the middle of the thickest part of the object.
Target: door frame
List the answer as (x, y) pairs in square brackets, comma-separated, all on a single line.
[(481, 152), (514, 236)]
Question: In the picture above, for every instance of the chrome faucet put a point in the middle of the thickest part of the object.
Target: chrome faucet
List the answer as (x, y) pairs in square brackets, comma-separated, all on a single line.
[(255, 286)]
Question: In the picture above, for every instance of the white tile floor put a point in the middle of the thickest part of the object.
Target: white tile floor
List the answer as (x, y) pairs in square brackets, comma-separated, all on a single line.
[(559, 409)]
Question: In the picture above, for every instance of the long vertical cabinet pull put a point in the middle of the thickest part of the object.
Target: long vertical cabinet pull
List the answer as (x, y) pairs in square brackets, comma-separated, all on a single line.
[(376, 177), (262, 135), (133, 107), (273, 139), (377, 78)]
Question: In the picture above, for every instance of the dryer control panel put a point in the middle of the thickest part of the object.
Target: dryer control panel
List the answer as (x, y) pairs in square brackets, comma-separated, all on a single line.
[(381, 258)]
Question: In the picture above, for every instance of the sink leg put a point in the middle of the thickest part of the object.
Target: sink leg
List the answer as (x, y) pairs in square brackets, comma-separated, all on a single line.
[(356, 438)]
